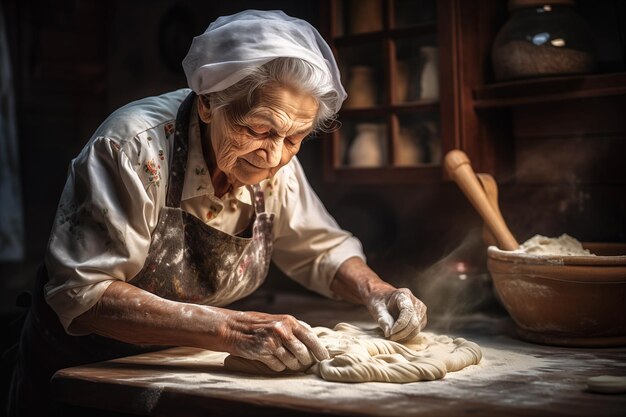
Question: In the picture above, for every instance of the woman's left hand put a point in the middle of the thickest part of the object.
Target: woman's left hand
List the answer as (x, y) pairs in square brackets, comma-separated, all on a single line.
[(398, 312)]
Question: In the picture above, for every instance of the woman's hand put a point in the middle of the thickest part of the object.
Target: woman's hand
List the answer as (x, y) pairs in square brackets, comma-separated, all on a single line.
[(398, 312), (132, 315), (279, 341)]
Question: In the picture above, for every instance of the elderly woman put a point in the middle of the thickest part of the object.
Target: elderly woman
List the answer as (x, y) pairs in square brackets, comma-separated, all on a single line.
[(178, 203)]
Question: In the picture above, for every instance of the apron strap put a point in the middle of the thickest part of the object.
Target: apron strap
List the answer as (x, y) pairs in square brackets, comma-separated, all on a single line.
[(178, 165), (258, 198)]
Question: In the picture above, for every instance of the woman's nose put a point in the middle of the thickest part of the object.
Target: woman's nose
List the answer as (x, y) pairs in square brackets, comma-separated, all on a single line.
[(274, 152)]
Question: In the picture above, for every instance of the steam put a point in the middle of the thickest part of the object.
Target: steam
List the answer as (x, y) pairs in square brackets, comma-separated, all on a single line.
[(456, 285)]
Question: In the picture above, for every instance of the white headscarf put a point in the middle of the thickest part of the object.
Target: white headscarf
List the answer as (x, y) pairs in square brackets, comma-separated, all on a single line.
[(234, 45)]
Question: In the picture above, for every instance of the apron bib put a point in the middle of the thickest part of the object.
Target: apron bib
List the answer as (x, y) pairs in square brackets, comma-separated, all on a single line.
[(192, 262)]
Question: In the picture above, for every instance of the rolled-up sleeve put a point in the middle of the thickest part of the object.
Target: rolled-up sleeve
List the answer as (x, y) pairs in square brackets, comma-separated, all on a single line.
[(101, 231), (309, 245)]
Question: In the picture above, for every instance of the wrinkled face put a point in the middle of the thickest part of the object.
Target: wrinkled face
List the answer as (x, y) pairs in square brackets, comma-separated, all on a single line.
[(267, 137)]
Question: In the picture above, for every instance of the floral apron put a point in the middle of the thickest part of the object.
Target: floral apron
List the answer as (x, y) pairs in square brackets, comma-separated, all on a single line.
[(188, 261)]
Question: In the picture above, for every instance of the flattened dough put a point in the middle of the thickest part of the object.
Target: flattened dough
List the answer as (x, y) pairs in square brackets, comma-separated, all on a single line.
[(364, 355)]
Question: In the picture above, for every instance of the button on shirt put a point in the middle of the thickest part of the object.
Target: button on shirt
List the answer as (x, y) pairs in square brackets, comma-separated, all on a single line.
[(117, 186)]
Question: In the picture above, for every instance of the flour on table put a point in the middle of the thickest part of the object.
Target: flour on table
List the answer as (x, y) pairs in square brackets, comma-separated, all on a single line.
[(564, 245), (364, 355)]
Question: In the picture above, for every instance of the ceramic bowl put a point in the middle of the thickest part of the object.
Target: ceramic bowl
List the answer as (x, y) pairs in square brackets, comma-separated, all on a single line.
[(564, 300)]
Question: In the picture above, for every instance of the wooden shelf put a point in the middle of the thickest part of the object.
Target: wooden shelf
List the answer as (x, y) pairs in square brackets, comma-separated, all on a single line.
[(399, 33), (547, 89), (410, 107)]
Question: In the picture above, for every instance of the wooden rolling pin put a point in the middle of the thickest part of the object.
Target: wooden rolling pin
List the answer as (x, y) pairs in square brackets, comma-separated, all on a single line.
[(459, 168), (491, 190)]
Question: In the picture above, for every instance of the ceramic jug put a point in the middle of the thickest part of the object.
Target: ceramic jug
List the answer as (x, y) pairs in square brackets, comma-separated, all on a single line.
[(367, 149), (429, 79), (361, 87)]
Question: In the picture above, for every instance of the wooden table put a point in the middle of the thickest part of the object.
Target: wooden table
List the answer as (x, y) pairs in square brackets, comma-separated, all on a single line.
[(515, 378)]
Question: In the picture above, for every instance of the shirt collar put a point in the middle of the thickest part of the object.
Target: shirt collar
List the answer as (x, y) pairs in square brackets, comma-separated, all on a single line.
[(197, 177)]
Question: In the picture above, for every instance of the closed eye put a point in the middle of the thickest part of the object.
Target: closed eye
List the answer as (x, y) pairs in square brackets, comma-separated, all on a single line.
[(256, 134)]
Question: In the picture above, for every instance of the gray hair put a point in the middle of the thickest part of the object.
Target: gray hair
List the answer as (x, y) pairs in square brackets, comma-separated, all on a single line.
[(296, 73)]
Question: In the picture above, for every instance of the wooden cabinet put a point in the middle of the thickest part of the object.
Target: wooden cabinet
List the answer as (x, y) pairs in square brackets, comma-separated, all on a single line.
[(408, 104), (389, 53), (470, 111)]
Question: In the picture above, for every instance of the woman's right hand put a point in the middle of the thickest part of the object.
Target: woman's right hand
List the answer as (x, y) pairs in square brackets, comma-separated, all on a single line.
[(132, 315), (279, 341)]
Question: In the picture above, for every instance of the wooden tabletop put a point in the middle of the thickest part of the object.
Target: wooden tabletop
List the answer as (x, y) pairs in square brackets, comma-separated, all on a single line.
[(514, 378)]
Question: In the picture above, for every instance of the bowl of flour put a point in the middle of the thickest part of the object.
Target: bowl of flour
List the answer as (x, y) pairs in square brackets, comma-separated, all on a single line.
[(560, 291)]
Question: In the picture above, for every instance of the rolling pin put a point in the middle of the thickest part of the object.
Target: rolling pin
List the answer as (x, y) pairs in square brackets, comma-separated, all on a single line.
[(491, 190), (459, 168)]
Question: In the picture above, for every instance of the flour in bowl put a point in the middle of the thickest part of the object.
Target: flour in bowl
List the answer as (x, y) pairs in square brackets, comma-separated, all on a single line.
[(564, 245)]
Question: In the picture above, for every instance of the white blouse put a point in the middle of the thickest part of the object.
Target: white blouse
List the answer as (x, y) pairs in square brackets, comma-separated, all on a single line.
[(117, 186)]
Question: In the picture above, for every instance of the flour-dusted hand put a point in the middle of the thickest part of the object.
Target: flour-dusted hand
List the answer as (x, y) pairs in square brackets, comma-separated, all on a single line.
[(398, 312), (279, 341)]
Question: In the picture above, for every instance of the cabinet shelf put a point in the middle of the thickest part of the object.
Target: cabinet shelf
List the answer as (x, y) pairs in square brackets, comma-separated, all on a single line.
[(400, 33), (404, 108), (549, 89)]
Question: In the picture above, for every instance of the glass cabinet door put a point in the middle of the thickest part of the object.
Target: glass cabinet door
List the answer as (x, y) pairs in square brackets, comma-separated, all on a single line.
[(388, 53)]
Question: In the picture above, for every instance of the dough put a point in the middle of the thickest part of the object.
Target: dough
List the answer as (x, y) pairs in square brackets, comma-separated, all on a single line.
[(607, 384), (362, 355)]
